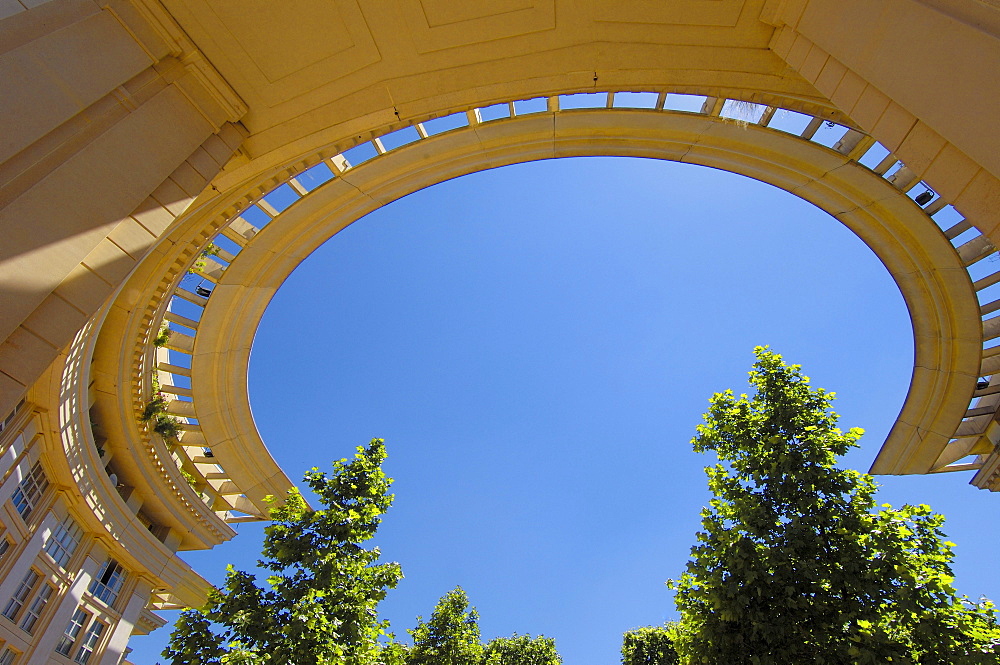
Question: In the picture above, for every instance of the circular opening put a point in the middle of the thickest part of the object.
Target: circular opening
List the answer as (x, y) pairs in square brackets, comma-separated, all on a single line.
[(537, 344)]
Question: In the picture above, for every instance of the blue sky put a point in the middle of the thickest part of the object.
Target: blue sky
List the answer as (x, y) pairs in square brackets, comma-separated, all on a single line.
[(537, 344)]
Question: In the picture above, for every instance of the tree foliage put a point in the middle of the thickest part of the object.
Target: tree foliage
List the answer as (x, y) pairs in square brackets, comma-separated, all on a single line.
[(450, 636), (319, 605), (795, 562), (521, 650), (650, 645)]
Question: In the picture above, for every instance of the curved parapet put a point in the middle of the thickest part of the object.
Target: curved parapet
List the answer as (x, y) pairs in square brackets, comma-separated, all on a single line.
[(272, 224), (121, 515)]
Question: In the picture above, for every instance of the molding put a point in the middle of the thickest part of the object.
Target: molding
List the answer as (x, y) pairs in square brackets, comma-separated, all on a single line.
[(156, 21)]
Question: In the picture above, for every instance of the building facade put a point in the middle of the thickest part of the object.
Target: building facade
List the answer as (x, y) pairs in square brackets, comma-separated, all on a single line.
[(144, 140)]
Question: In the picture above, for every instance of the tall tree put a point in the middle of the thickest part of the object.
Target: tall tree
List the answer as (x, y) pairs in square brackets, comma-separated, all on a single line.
[(796, 564), (319, 605), (450, 636), (650, 645), (521, 650)]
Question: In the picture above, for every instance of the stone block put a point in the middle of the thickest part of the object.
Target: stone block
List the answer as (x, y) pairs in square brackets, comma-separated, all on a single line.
[(813, 64), (869, 108), (218, 148), (920, 147), (980, 203), (153, 216), (188, 179), (830, 76), (55, 321), (895, 123), (950, 172), (172, 197), (84, 289), (109, 261), (799, 51), (24, 356), (848, 91), (204, 163), (132, 237), (781, 42), (9, 8)]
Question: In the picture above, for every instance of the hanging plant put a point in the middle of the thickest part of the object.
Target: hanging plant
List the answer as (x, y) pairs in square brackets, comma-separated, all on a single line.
[(155, 407), (163, 337), (199, 265), (165, 425)]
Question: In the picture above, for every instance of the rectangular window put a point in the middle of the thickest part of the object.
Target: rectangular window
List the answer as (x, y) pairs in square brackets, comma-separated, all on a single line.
[(89, 642), (3, 425), (29, 491), (63, 541), (73, 630), (20, 597), (35, 609), (4, 546), (108, 582), (8, 656)]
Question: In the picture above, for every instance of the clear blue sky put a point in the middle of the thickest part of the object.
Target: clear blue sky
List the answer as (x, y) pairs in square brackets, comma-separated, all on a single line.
[(537, 344)]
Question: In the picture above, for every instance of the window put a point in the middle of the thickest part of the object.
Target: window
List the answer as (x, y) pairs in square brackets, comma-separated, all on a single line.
[(4, 546), (89, 642), (30, 490), (35, 609), (20, 596), (3, 425), (63, 541), (73, 630), (8, 656), (108, 582)]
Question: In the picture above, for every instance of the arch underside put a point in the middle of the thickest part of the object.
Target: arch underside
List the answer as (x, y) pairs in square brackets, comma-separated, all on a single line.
[(182, 119), (941, 302), (928, 269)]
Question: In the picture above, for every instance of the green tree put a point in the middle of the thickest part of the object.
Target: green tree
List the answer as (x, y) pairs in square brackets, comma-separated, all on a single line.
[(521, 650), (319, 605), (450, 637), (796, 564), (650, 645)]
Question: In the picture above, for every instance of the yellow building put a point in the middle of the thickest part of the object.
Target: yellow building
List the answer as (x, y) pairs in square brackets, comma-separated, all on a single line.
[(135, 133)]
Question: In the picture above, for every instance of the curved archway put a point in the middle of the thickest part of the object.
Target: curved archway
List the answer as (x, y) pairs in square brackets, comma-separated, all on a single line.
[(941, 302), (537, 427), (183, 109)]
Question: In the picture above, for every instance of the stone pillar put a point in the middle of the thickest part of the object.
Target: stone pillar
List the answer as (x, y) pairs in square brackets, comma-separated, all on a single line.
[(121, 632), (114, 124), (27, 556), (67, 605)]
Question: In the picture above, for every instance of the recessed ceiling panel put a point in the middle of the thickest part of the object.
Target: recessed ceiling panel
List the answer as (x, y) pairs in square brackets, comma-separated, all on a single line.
[(272, 51), (284, 37), (440, 24), (674, 12)]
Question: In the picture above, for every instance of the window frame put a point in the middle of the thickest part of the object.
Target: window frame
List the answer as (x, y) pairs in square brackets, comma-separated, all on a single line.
[(108, 582), (21, 595), (64, 540), (29, 492), (90, 642), (5, 545), (36, 608), (5, 423), (8, 656), (70, 638)]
